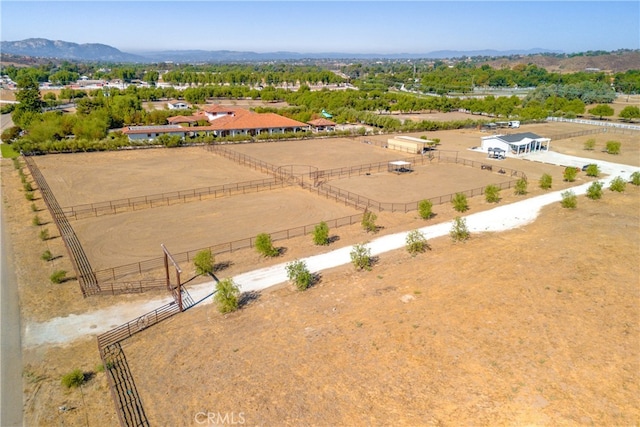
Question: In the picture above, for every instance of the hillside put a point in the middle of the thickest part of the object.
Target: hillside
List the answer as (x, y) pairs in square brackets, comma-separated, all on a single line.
[(614, 62)]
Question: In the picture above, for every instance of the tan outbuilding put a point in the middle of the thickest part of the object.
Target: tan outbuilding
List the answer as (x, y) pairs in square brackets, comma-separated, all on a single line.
[(409, 144)]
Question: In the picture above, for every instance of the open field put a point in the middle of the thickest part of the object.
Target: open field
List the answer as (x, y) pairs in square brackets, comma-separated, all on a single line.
[(509, 328), (523, 327)]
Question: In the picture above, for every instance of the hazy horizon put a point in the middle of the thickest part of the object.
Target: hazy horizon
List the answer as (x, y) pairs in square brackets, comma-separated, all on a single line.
[(364, 27)]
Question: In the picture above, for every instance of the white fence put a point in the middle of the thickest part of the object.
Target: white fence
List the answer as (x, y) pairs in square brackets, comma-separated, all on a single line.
[(595, 123)]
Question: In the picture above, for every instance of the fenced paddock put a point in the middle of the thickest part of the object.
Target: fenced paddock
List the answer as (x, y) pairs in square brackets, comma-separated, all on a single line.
[(85, 178), (290, 198)]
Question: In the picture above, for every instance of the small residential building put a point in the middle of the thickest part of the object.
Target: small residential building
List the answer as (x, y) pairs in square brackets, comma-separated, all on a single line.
[(516, 144), (409, 144), (139, 133), (322, 125)]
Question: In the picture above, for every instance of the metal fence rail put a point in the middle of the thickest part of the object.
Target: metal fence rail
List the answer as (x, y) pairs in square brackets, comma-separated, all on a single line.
[(243, 159), (123, 388), (110, 276), (79, 260), (164, 199)]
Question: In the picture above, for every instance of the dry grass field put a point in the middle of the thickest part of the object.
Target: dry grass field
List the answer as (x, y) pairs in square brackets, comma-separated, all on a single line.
[(522, 327)]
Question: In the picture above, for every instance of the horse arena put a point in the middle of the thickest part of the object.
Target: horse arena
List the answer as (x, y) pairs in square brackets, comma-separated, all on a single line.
[(124, 205)]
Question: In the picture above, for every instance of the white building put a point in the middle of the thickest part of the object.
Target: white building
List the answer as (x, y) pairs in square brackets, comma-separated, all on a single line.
[(516, 144)]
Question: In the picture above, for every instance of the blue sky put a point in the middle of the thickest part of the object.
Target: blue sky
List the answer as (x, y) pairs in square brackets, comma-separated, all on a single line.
[(329, 26)]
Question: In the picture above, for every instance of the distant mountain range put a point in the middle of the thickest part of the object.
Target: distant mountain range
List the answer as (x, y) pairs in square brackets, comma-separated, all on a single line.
[(44, 48)]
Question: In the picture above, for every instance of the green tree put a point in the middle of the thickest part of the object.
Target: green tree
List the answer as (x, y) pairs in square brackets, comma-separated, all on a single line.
[(29, 102), (601, 110), (46, 255), (204, 262), (546, 181), (593, 170), (460, 202), (416, 242), (492, 193), (73, 379), (425, 209), (594, 192), (44, 234), (369, 222), (58, 276), (635, 178), (570, 174), (618, 184), (264, 245), (227, 295), (459, 231), (299, 274), (590, 144), (630, 112), (613, 147), (321, 234), (520, 189), (361, 256), (569, 199)]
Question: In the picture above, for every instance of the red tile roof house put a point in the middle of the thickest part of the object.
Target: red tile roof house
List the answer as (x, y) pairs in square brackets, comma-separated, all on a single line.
[(224, 121)]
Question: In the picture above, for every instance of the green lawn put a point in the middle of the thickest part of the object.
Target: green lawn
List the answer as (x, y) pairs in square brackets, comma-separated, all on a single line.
[(8, 152)]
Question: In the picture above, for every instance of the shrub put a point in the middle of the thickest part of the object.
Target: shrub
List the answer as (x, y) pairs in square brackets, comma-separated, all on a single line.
[(227, 295), (321, 234), (36, 220), (34, 208), (369, 222), (492, 193), (593, 170), (361, 256), (425, 209), (27, 186), (459, 231), (569, 200), (16, 163), (416, 242), (44, 234), (299, 274), (73, 379), (594, 192), (520, 189), (590, 144), (46, 255), (613, 147), (264, 245), (635, 178), (460, 202), (618, 184), (570, 174), (204, 262), (546, 181), (29, 195), (58, 276)]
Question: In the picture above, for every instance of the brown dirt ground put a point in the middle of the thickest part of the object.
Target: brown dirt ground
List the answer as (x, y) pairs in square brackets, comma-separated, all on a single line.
[(44, 366), (535, 331)]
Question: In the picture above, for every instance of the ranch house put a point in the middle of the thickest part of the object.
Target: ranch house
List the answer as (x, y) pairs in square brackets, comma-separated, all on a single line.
[(516, 144), (223, 121)]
